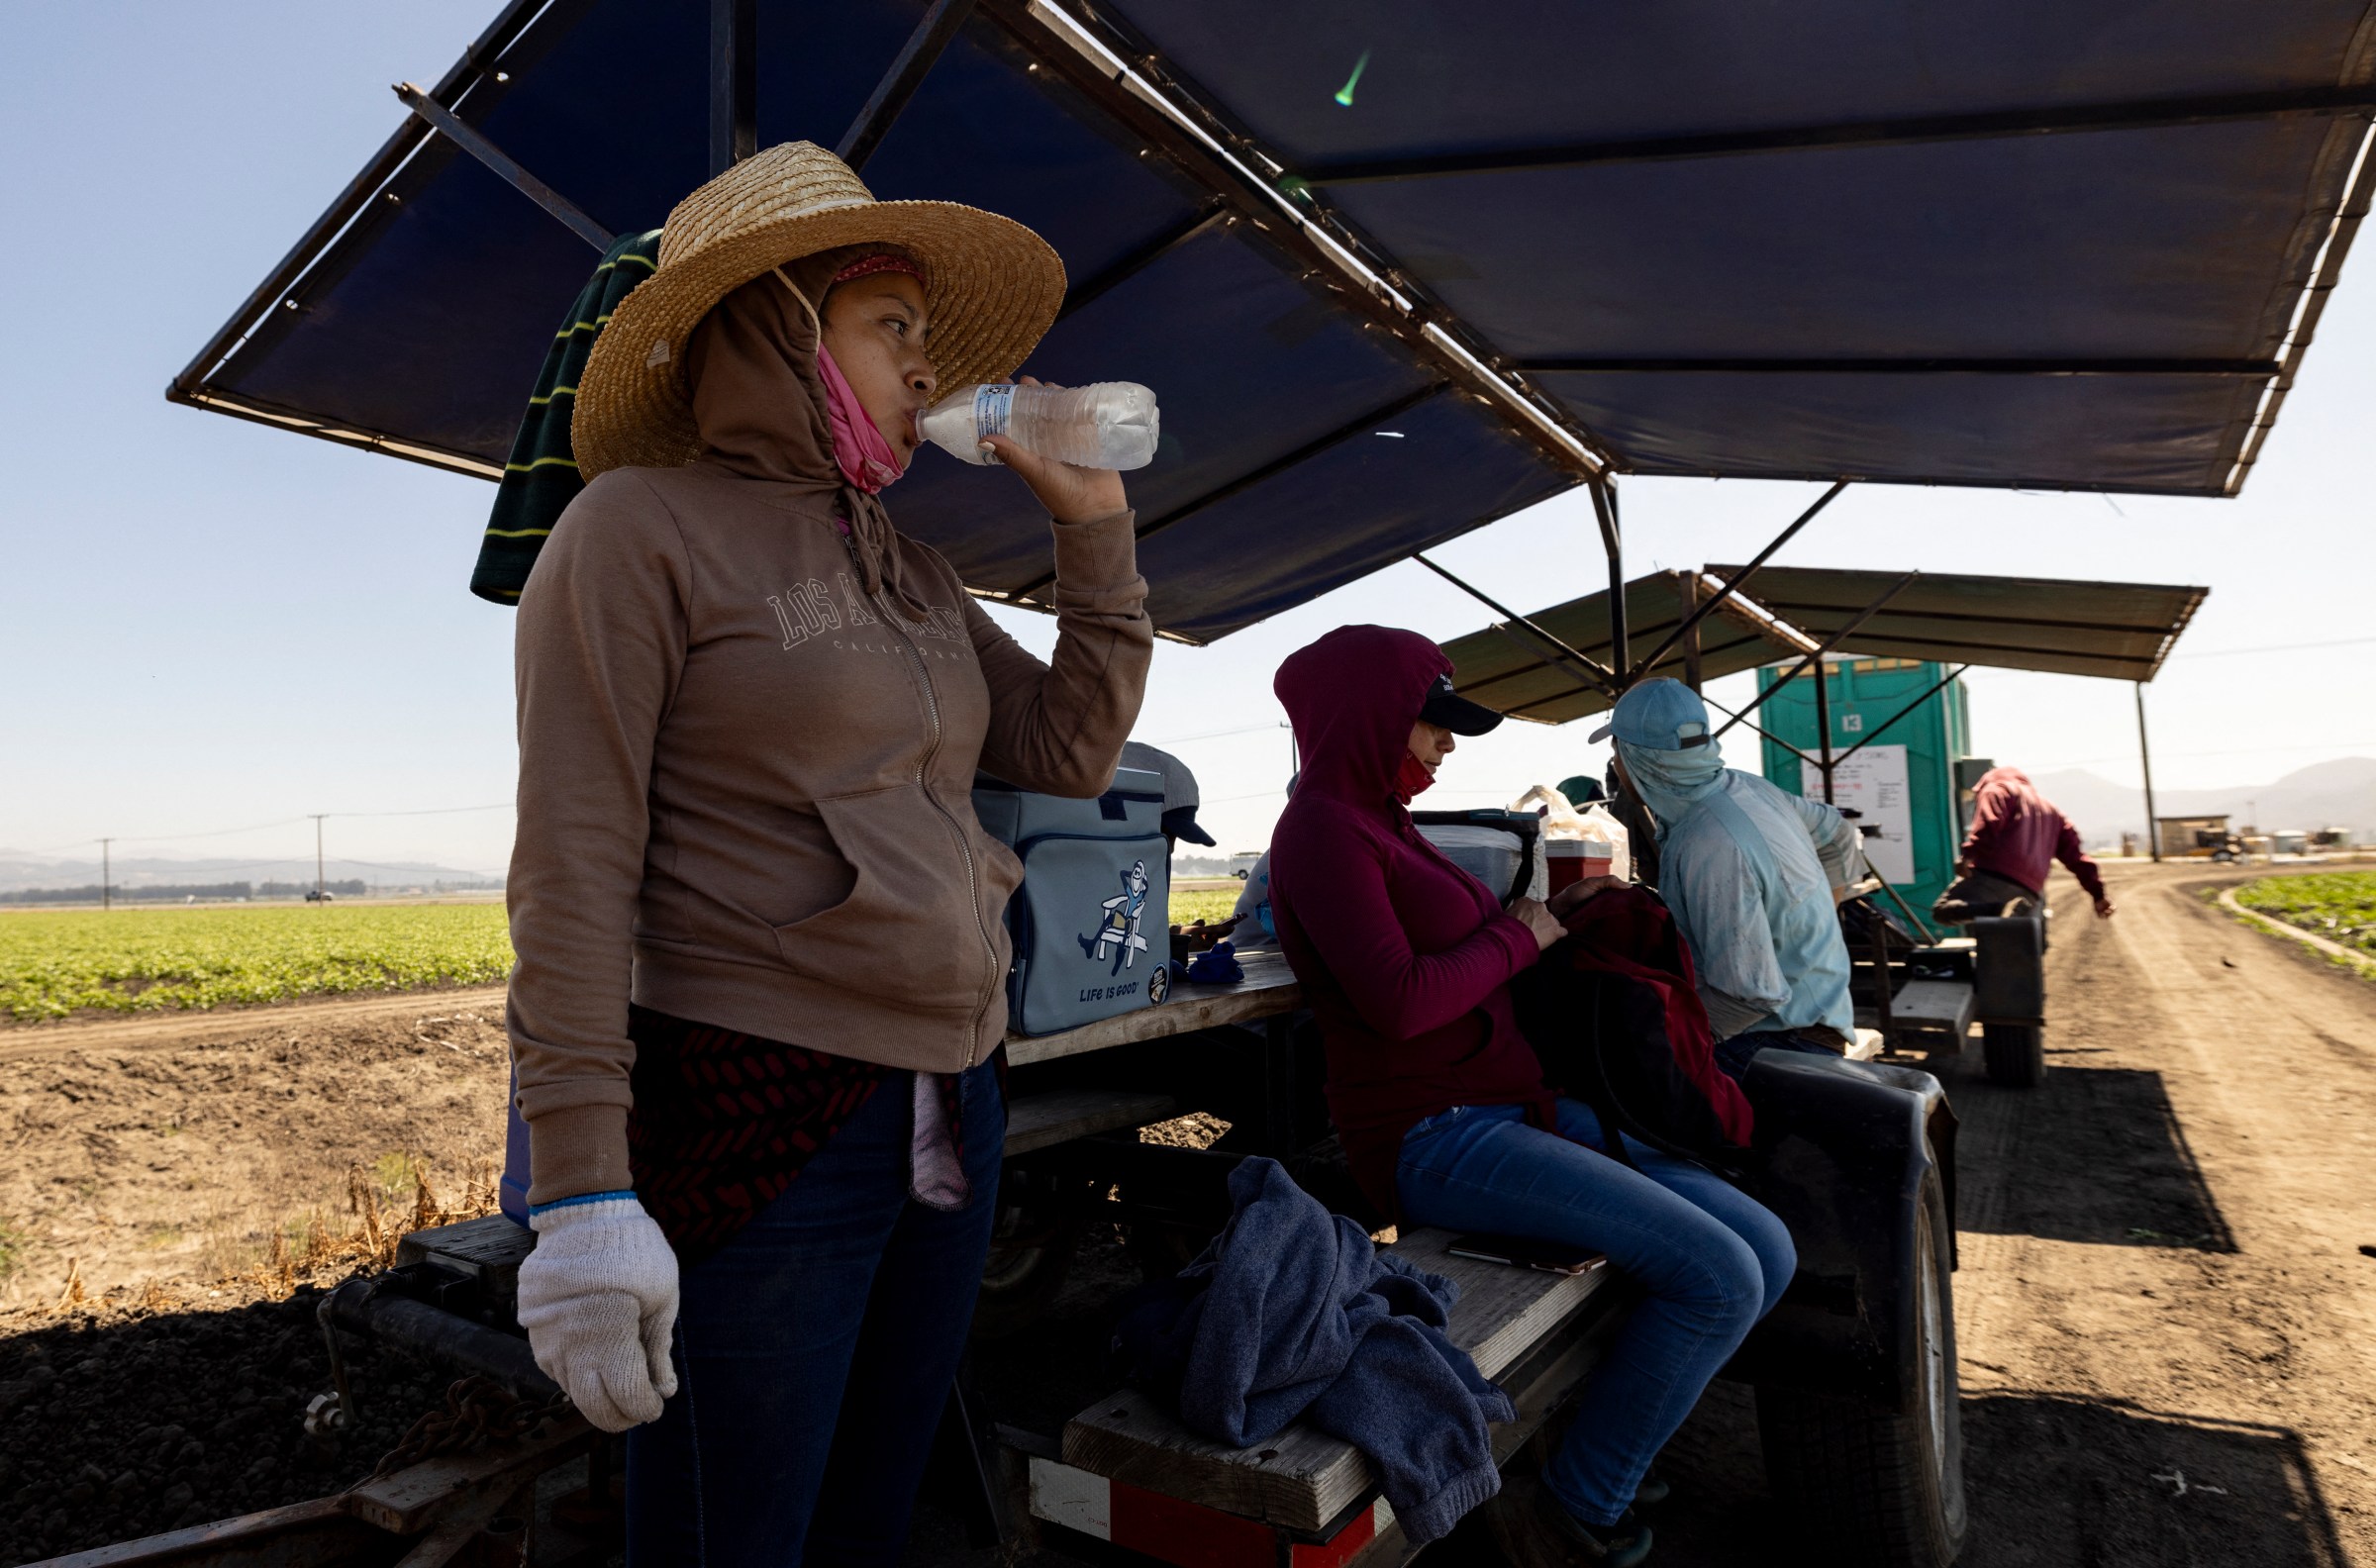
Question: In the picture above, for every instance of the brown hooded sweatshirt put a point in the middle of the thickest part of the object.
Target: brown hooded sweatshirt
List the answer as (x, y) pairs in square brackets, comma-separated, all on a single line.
[(747, 744)]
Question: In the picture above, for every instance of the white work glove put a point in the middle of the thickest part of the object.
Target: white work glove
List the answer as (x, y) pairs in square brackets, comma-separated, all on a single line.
[(598, 1299)]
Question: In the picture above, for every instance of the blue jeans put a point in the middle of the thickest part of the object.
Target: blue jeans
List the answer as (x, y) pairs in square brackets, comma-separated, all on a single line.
[(1713, 1260), (1734, 1055), (814, 1356)]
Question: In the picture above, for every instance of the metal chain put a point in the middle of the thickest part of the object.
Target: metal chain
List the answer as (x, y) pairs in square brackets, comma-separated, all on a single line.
[(478, 1410)]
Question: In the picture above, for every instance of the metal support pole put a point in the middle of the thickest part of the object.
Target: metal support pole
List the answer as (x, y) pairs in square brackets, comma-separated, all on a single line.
[(1907, 910), (1583, 663), (1892, 719), (1763, 735), (2144, 752), (1823, 724), (899, 83), (1741, 579), (318, 889), (468, 137), (1821, 648), (1689, 598), (1620, 646), (107, 875), (734, 82)]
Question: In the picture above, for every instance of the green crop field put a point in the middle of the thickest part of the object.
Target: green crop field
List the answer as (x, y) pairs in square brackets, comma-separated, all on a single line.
[(2339, 906), (57, 963), (1205, 904)]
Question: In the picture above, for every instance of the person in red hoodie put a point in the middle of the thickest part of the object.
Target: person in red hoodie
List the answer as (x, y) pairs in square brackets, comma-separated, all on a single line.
[(1406, 961), (2016, 836)]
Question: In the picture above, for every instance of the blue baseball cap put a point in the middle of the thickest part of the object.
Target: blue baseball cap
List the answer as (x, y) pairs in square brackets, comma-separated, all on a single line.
[(1661, 715)]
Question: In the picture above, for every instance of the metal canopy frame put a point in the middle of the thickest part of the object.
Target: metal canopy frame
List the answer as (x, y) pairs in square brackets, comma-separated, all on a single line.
[(1783, 607), (1237, 193), (1783, 620), (472, 86), (1105, 61)]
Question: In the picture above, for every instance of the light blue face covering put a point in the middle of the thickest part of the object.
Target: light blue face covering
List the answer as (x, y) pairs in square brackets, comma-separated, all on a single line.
[(1671, 783)]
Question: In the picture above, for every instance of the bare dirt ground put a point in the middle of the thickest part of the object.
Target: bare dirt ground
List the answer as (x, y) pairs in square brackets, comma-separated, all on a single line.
[(2165, 1319), (172, 1148)]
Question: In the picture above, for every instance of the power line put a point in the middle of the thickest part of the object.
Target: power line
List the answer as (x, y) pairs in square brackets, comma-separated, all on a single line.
[(279, 822), (2238, 751), (2275, 647), (1216, 734)]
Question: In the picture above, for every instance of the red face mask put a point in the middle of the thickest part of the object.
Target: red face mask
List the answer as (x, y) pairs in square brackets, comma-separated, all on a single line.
[(1412, 778)]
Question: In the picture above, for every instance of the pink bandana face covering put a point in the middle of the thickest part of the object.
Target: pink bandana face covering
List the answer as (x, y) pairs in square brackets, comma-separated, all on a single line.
[(863, 453), (866, 457)]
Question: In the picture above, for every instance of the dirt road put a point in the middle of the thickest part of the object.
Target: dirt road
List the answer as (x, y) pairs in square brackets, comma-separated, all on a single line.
[(2167, 1328)]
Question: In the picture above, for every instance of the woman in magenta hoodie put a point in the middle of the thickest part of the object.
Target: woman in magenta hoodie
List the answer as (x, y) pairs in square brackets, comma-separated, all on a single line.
[(1407, 962)]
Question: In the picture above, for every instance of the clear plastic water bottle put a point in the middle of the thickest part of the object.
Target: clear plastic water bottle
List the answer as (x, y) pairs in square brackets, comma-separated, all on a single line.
[(1105, 425)]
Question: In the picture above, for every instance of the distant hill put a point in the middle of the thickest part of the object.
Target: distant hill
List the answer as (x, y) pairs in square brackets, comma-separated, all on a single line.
[(19, 871), (2340, 794)]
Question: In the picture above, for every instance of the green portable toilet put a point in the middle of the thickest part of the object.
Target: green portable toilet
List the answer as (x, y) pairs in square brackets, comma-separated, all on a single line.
[(1904, 782)]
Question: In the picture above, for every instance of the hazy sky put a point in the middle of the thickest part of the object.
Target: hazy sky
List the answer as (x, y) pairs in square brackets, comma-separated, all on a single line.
[(206, 625)]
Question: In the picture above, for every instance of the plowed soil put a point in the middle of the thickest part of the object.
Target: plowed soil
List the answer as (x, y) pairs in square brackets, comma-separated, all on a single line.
[(173, 1149)]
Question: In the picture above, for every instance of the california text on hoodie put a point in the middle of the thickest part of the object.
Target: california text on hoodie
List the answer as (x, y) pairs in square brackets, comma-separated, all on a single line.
[(1405, 958), (747, 741)]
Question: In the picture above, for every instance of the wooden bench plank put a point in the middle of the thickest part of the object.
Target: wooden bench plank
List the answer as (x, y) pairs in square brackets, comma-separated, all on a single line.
[(1269, 990), (1304, 1478), (1036, 1121)]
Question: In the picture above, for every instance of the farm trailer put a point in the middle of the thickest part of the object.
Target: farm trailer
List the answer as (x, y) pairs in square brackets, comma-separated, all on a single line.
[(1855, 1371)]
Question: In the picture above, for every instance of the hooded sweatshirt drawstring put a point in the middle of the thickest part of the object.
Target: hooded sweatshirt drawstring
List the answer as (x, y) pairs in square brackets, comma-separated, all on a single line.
[(764, 413)]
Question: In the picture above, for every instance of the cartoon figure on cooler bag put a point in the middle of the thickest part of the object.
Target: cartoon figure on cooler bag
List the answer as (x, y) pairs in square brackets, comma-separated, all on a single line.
[(1118, 926)]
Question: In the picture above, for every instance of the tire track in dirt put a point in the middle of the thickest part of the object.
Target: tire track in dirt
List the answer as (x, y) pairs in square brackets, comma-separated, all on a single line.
[(2163, 1316), (168, 1030)]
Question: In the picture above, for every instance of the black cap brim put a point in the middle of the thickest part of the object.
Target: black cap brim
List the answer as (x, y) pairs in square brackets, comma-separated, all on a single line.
[(1457, 714), (1180, 822)]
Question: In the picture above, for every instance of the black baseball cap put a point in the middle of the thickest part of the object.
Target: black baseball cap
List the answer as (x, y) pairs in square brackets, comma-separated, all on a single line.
[(1455, 711)]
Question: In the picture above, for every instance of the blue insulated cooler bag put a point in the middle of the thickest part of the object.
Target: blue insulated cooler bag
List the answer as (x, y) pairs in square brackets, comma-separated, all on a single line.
[(1091, 923)]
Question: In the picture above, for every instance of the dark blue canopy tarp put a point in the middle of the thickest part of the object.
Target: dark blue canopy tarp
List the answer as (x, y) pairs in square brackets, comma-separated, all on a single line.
[(1684, 203), (426, 322), (2100, 308)]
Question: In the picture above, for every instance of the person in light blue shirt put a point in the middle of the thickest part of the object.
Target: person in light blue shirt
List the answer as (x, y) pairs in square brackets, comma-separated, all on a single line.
[(1748, 872)]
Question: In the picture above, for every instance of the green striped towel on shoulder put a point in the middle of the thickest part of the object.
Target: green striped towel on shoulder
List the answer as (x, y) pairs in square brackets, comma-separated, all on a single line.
[(542, 476)]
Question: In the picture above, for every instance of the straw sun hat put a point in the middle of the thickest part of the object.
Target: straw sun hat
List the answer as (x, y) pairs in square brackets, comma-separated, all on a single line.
[(992, 289)]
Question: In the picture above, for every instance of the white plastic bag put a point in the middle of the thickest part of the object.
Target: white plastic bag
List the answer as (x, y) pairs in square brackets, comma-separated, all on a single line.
[(1563, 823)]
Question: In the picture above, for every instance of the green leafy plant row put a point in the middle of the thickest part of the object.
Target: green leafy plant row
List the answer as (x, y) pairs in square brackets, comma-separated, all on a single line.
[(2339, 906), (57, 963)]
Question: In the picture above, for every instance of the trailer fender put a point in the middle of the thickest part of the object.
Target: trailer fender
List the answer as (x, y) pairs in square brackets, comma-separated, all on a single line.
[(1847, 1147)]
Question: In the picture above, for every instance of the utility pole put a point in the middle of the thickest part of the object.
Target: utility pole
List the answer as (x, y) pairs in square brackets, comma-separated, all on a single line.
[(106, 894), (2144, 754), (318, 890)]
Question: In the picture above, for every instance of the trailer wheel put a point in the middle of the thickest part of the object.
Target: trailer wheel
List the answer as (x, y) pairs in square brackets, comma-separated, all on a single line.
[(1872, 1489), (1030, 1252), (2016, 1053)]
